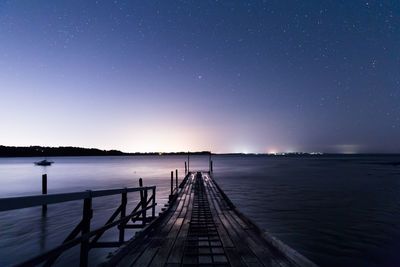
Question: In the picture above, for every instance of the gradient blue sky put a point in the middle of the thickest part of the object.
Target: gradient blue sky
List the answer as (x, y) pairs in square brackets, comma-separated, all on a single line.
[(226, 76)]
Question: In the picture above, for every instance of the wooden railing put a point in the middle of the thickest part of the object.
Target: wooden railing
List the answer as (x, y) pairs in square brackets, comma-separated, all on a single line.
[(82, 234)]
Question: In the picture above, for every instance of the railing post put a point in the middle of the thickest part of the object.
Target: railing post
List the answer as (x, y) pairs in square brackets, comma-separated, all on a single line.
[(86, 217), (211, 166), (172, 183), (176, 179), (141, 185), (124, 201), (142, 201), (44, 192), (144, 207), (153, 210), (141, 191)]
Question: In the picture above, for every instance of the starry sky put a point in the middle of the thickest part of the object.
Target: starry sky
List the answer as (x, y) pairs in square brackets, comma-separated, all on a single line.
[(226, 76)]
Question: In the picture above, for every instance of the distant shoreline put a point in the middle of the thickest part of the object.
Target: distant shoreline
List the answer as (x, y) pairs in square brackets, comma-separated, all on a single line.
[(69, 151), (65, 151)]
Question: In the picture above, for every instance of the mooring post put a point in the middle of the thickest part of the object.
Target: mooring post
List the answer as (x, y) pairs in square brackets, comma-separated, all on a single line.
[(86, 217), (211, 166), (44, 192), (176, 180), (185, 168)]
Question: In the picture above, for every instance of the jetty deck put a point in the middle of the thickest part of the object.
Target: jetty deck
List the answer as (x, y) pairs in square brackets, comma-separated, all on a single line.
[(201, 227)]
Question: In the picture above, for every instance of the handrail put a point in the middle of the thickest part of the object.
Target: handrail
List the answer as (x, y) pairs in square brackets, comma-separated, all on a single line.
[(70, 243), (83, 234), (13, 203)]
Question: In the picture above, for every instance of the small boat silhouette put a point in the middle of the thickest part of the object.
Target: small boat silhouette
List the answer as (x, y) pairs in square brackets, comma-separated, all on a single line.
[(44, 163)]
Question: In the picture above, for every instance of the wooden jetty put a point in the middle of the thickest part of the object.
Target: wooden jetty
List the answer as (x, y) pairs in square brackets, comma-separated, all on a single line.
[(201, 227), (198, 227)]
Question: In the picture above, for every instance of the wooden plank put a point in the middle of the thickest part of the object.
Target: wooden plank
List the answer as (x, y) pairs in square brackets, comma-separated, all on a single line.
[(264, 251), (170, 232), (225, 239), (162, 255), (178, 248), (268, 256), (234, 259), (147, 256), (241, 248), (263, 255)]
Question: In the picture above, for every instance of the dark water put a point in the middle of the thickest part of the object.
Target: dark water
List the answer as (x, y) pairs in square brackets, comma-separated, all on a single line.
[(337, 211)]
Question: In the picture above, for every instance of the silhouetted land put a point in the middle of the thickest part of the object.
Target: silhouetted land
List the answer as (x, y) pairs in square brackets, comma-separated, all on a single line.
[(40, 151)]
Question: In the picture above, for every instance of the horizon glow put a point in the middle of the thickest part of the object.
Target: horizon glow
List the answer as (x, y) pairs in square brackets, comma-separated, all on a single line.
[(244, 76)]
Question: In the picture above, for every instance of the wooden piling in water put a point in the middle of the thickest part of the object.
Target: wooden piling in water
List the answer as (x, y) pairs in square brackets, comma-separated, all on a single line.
[(176, 179), (44, 192)]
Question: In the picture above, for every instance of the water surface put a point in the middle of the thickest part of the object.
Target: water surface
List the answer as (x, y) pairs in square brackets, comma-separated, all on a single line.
[(337, 211)]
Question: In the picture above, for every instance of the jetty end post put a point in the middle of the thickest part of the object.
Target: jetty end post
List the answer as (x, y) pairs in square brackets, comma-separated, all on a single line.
[(176, 179), (185, 168), (44, 192), (188, 161), (209, 161)]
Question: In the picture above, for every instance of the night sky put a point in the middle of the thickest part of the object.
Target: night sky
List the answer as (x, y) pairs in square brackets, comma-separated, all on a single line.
[(226, 76)]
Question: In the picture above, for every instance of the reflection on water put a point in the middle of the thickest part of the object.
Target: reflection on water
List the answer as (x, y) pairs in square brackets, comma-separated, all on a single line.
[(43, 233), (337, 211)]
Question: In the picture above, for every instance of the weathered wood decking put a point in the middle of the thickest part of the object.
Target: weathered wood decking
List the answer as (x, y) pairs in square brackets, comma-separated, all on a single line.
[(202, 227)]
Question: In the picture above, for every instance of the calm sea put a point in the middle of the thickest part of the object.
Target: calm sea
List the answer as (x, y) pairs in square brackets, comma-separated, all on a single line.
[(335, 210)]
